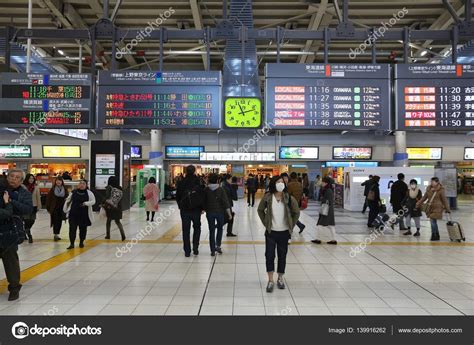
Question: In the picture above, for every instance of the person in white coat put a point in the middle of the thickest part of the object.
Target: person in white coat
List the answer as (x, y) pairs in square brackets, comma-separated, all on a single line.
[(78, 208)]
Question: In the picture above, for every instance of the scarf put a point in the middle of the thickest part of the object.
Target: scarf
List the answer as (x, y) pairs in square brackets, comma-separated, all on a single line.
[(30, 187), (60, 192), (213, 186), (414, 192)]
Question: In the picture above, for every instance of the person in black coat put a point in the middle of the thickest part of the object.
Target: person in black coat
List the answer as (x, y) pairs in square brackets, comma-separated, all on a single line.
[(327, 197), (252, 186), (113, 206), (189, 183), (231, 196), (414, 195), (366, 184), (398, 192), (374, 201)]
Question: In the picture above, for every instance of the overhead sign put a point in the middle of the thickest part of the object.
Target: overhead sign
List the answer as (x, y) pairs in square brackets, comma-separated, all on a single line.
[(349, 164), (7, 151), (61, 151), (185, 99), (356, 153), (183, 152), (299, 152), (425, 153), (430, 96), (469, 153), (71, 133), (47, 100), (238, 156), (328, 96)]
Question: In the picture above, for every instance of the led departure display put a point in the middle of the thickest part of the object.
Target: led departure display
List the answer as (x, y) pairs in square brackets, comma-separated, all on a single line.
[(47, 100), (335, 96), (159, 99), (433, 96)]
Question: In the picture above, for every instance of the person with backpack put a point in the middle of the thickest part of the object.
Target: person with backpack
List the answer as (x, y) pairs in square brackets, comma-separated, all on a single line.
[(251, 190), (55, 199), (398, 192), (279, 213), (190, 197), (436, 204), (374, 201), (32, 187), (366, 184), (217, 207), (113, 206), (151, 193), (326, 219), (231, 193), (78, 208), (414, 195), (295, 189), (22, 205)]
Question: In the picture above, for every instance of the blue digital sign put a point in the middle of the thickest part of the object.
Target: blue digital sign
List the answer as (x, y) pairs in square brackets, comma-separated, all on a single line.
[(183, 152), (346, 164)]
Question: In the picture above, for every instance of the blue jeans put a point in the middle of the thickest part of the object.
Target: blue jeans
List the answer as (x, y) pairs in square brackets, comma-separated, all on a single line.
[(434, 226), (215, 221), (186, 219)]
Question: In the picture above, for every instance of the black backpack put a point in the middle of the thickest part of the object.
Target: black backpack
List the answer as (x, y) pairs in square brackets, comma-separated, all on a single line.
[(18, 229), (194, 198)]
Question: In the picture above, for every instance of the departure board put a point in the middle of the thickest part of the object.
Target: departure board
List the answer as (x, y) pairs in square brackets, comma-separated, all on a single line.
[(187, 99), (328, 96), (47, 100), (438, 97)]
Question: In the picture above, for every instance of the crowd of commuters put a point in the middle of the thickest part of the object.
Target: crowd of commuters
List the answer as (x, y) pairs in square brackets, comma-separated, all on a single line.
[(278, 210)]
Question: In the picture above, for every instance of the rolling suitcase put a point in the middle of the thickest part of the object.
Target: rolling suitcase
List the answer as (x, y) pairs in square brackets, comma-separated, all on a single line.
[(455, 230)]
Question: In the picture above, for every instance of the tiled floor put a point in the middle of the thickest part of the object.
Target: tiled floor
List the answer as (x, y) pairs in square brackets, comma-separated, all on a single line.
[(396, 275)]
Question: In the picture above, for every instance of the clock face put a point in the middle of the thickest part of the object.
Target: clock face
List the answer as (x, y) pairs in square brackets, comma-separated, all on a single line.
[(243, 112)]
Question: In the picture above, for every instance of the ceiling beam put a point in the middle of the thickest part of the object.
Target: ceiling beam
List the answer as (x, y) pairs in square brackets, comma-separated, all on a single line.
[(197, 17), (314, 24)]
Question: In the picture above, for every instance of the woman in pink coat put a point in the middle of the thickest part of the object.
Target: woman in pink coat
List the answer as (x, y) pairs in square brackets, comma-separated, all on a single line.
[(151, 193)]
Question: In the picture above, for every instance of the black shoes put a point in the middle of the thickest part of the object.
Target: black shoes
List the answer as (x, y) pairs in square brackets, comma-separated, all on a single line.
[(57, 238), (407, 233), (302, 228), (434, 237), (107, 237), (196, 252), (71, 246), (231, 235), (332, 242), (30, 239), (417, 233), (81, 245), (187, 255), (316, 241), (219, 250), (280, 283), (213, 253), (14, 295)]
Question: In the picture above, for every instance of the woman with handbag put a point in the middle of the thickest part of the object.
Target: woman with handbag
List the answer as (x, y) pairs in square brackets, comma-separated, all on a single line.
[(433, 203), (30, 184), (217, 207), (151, 195), (373, 201), (326, 214), (414, 195), (55, 199), (78, 208), (113, 206)]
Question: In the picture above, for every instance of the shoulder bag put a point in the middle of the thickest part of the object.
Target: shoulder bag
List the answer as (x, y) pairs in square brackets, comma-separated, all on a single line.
[(426, 206)]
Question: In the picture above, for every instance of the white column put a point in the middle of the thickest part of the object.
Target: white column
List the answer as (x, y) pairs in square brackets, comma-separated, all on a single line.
[(156, 155), (111, 134), (400, 158)]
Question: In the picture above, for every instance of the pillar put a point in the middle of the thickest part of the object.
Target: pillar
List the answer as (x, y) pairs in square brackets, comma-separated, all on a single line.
[(111, 134), (156, 155), (400, 157)]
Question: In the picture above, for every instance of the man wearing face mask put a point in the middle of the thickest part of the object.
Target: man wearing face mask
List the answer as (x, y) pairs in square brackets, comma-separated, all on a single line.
[(279, 213), (414, 195)]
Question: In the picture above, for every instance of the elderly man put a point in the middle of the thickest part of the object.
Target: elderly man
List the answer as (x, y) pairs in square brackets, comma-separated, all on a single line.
[(22, 204)]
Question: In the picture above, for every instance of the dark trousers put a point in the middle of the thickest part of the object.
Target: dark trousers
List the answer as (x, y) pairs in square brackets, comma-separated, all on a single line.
[(216, 222), (374, 210), (57, 220), (148, 215), (299, 224), (73, 225), (276, 240), (11, 264), (251, 195), (366, 204), (230, 224), (186, 219), (119, 225)]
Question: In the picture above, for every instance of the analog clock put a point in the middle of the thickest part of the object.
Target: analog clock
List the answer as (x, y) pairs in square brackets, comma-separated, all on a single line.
[(243, 112)]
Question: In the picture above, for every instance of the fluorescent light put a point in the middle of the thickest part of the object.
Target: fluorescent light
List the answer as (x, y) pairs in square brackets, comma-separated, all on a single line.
[(60, 52), (423, 53)]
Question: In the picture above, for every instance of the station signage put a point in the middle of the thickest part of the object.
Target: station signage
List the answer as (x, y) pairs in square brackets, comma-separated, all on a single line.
[(425, 153), (469, 153), (238, 156), (183, 152), (299, 152), (14, 151), (61, 151), (356, 153)]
